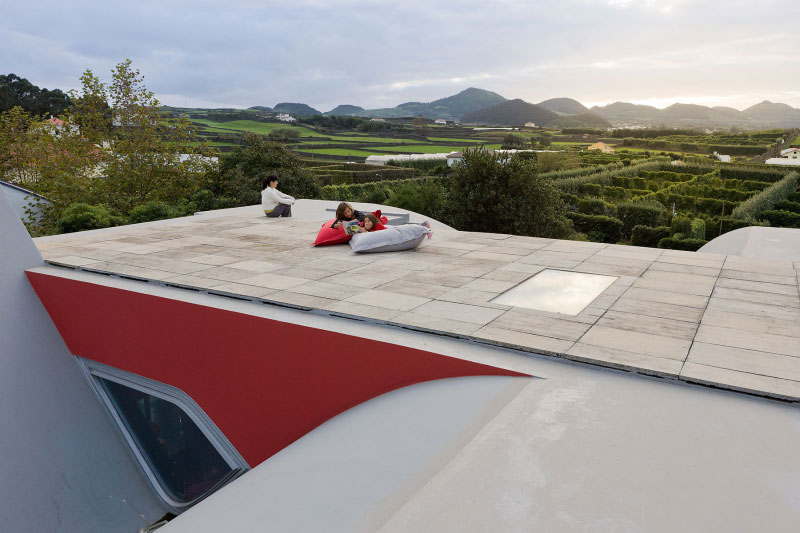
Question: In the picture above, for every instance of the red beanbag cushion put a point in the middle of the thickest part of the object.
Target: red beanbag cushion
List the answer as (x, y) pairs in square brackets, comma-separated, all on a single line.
[(328, 235)]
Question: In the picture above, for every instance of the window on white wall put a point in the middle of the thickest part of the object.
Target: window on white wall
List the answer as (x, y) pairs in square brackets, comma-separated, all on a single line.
[(178, 446)]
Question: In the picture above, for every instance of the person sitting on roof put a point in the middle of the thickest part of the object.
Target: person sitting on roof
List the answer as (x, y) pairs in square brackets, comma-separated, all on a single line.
[(273, 201)]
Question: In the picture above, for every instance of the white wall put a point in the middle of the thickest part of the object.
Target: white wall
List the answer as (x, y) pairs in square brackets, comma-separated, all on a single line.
[(63, 466)]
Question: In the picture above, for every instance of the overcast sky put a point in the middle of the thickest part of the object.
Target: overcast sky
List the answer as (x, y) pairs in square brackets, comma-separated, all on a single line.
[(237, 53)]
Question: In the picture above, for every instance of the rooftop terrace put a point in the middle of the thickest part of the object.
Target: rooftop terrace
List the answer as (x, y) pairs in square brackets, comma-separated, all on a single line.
[(720, 320)]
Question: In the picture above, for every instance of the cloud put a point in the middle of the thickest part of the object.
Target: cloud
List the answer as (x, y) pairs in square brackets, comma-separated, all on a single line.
[(381, 53)]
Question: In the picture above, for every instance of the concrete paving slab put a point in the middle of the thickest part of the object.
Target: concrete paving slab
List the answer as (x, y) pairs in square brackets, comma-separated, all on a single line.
[(658, 309), (769, 298), (529, 321), (524, 341), (765, 342), (755, 276), (388, 300), (637, 342), (766, 311), (741, 381), (758, 286), (457, 311), (759, 324), (742, 360), (616, 358), (666, 327)]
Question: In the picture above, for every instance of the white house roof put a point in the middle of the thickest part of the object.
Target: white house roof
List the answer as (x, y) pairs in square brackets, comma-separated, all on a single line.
[(782, 161), (789, 150)]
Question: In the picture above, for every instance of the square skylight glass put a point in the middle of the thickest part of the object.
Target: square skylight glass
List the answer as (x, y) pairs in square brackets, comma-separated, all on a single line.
[(556, 291)]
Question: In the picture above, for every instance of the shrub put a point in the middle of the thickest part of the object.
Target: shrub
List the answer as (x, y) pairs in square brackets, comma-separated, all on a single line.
[(487, 195), (593, 206), (766, 199), (426, 198), (149, 211), (782, 218), (786, 205), (640, 213), (672, 243), (681, 224), (591, 188), (365, 192), (572, 184), (299, 184), (598, 227), (698, 229), (614, 193), (81, 217), (204, 200), (647, 236)]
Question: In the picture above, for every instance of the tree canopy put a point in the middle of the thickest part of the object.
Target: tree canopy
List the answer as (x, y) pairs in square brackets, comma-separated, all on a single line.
[(16, 91), (489, 194)]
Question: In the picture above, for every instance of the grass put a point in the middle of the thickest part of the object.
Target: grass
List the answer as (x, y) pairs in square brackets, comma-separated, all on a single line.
[(451, 139), (265, 128), (425, 149), (337, 151)]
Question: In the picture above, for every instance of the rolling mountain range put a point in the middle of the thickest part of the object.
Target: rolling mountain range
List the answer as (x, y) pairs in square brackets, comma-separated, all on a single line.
[(478, 106)]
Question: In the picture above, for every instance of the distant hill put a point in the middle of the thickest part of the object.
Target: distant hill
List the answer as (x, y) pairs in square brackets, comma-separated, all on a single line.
[(774, 114), (567, 106), (511, 113), (296, 109), (261, 108), (450, 108), (625, 112), (765, 114), (345, 110), (584, 120)]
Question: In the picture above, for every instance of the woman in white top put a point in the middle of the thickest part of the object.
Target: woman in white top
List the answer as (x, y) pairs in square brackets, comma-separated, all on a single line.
[(274, 202)]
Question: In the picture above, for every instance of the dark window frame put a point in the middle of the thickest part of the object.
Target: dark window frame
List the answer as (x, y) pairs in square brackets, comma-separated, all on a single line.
[(94, 370)]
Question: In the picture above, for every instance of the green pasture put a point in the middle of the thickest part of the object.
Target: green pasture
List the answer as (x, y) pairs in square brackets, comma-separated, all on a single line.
[(336, 151), (452, 139), (427, 149)]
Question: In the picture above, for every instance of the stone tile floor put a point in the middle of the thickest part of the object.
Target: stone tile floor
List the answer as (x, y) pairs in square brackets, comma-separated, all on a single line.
[(725, 321)]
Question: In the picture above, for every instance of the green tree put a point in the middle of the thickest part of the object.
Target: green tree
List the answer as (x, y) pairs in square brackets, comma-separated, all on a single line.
[(58, 163), (154, 158), (16, 91), (240, 172), (489, 194)]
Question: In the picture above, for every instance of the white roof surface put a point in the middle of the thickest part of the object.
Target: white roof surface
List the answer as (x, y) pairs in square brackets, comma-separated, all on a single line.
[(582, 449), (782, 161)]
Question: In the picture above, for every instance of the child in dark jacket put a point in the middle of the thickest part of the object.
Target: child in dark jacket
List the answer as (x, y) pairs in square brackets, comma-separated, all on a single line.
[(346, 213)]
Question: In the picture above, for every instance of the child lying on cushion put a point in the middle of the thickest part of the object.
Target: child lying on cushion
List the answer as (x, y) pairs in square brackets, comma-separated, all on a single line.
[(346, 214), (371, 223)]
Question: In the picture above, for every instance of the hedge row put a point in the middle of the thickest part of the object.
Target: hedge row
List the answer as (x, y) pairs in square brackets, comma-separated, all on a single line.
[(679, 243), (372, 192), (648, 236), (598, 228), (788, 205), (782, 218), (584, 171), (752, 208), (743, 171), (709, 191), (710, 206), (338, 177), (730, 149), (573, 184)]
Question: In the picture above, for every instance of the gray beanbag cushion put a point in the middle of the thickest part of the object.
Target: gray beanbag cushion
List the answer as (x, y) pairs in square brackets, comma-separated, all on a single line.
[(391, 239)]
